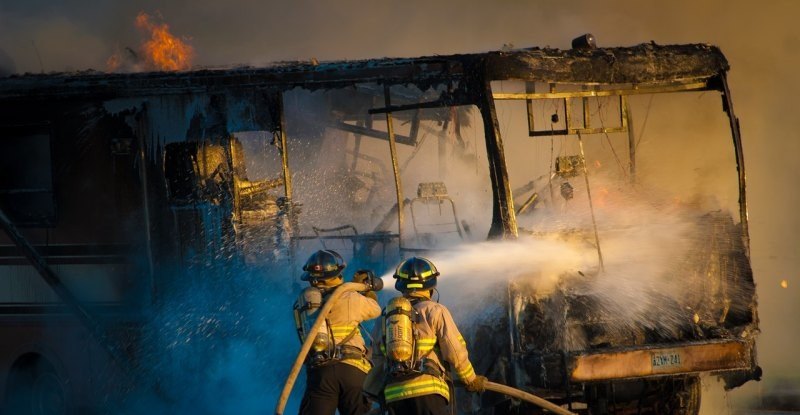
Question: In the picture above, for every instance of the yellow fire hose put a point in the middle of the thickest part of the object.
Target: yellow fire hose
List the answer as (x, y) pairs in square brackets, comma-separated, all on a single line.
[(323, 313), (527, 397), (298, 363)]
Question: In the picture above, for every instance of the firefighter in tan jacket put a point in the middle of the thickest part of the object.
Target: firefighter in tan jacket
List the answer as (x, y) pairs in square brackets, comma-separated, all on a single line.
[(420, 345), (337, 362)]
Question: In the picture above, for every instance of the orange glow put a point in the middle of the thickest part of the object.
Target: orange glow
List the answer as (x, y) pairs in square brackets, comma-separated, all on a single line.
[(784, 284), (163, 51)]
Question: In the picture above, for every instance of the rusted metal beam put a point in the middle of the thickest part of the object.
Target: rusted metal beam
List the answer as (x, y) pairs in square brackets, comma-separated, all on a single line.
[(504, 219), (628, 117), (727, 102), (398, 185), (395, 108), (633, 90), (677, 359), (370, 132), (287, 174)]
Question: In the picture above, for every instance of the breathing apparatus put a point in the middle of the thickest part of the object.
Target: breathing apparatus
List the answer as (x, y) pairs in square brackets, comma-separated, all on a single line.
[(305, 313), (400, 339)]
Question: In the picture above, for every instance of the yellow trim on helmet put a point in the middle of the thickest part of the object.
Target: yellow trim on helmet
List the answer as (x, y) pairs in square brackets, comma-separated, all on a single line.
[(414, 286)]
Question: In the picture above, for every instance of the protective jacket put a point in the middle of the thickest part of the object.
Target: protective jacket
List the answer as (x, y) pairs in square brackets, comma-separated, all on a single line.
[(351, 309), (439, 345)]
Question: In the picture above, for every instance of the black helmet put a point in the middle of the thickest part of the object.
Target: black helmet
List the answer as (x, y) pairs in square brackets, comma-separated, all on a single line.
[(415, 274), (323, 265)]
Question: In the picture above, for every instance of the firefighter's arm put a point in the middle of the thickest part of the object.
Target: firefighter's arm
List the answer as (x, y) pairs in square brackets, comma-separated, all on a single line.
[(453, 346), (365, 308)]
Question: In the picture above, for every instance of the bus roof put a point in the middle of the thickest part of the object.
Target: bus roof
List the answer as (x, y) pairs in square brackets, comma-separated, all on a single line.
[(644, 64)]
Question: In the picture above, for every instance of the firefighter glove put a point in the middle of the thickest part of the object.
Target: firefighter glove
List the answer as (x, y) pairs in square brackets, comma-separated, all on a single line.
[(478, 385)]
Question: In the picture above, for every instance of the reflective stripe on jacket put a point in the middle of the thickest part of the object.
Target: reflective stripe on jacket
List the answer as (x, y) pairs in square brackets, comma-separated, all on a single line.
[(438, 339), (344, 318), (418, 386)]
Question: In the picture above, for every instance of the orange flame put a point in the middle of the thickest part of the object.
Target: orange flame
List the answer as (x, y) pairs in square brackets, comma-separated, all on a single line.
[(163, 51)]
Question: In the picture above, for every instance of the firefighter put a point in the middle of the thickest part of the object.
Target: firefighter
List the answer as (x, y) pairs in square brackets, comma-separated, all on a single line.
[(337, 362), (419, 343)]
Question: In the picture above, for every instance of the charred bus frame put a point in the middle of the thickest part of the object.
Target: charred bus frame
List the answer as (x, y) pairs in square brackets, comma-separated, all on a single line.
[(607, 72)]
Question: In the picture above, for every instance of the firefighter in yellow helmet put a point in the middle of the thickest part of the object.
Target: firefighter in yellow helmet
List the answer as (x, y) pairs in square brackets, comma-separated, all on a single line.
[(337, 362), (419, 343)]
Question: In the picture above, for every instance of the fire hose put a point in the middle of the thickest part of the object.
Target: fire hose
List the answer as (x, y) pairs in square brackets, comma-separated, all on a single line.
[(527, 397), (323, 313)]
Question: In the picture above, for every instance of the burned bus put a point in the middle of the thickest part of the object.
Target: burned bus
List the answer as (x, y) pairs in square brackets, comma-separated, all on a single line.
[(120, 190)]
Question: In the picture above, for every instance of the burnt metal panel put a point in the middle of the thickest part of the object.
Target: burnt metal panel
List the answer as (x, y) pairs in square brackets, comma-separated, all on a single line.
[(645, 63)]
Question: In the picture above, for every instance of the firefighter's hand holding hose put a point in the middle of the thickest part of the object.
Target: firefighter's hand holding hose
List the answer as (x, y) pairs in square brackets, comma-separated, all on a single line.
[(478, 385)]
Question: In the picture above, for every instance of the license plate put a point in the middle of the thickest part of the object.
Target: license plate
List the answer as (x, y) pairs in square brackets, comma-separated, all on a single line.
[(665, 360)]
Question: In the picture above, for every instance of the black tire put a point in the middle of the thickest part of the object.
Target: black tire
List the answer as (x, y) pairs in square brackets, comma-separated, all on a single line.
[(34, 388)]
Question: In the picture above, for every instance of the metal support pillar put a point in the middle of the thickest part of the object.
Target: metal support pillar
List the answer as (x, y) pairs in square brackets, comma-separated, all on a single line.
[(727, 104), (628, 117), (287, 177), (393, 150), (504, 219)]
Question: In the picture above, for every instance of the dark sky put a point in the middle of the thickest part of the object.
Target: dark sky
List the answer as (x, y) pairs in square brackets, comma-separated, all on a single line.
[(760, 39)]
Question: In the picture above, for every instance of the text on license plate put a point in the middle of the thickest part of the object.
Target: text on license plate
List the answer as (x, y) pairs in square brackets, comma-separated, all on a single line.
[(663, 360)]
